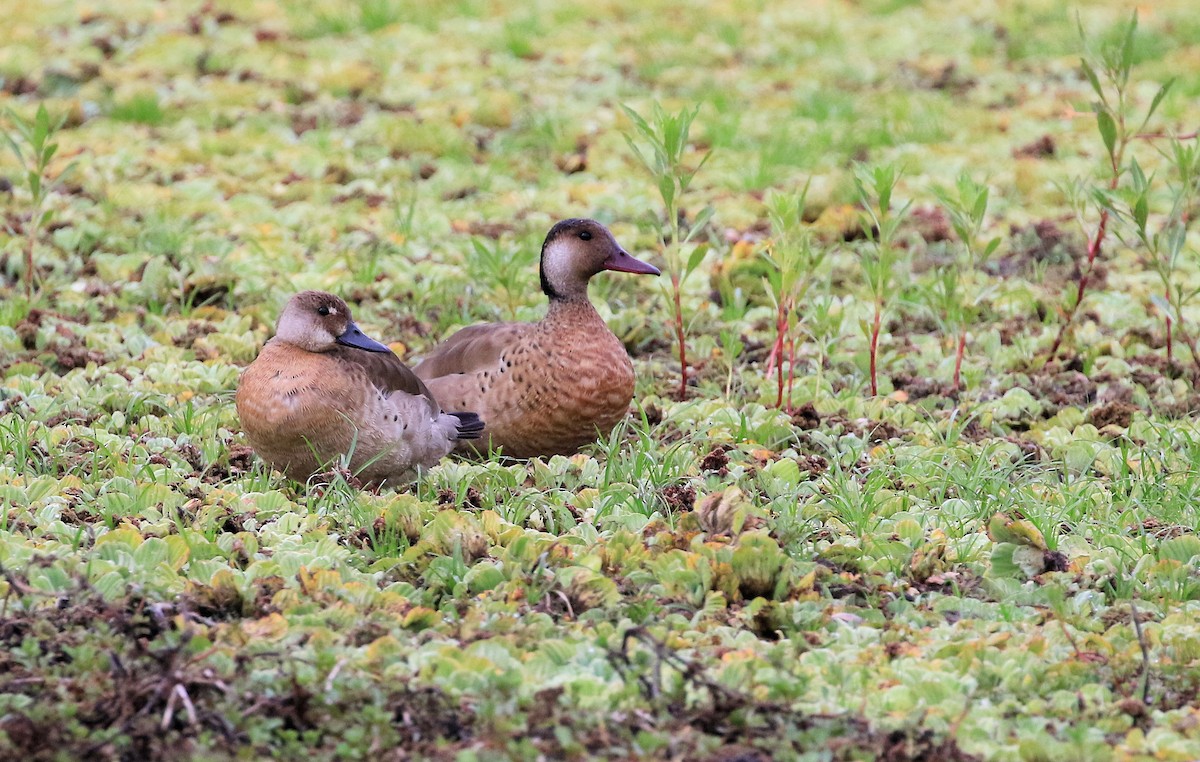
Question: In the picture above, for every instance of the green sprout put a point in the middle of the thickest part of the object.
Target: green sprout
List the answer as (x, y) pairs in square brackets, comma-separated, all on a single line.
[(32, 143), (667, 138)]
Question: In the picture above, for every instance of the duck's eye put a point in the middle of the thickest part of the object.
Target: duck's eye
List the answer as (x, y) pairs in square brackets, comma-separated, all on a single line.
[(586, 235), (322, 310)]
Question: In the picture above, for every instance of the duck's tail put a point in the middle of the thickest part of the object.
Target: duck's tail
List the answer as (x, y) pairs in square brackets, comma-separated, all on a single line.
[(470, 425)]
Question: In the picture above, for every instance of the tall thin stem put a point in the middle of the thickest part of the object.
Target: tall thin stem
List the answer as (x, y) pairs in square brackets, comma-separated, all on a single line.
[(791, 369), (29, 271), (875, 347), (777, 352), (679, 337), (1093, 250)]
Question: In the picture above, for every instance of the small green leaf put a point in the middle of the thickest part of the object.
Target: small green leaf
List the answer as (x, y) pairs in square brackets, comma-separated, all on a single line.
[(695, 259), (688, 177), (1108, 130), (1090, 73), (638, 122), (1163, 305), (1158, 99), (67, 170), (980, 207), (1127, 46), (637, 152), (1141, 211), (16, 149), (698, 224), (666, 188), (152, 552), (1184, 549), (1175, 236), (178, 551), (1138, 176)]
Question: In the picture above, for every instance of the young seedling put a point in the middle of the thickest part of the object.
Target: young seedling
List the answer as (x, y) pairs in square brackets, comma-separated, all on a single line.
[(957, 294), (32, 143), (1108, 69), (794, 261), (496, 263), (667, 138), (732, 347), (823, 322), (880, 257), (402, 218), (1165, 247)]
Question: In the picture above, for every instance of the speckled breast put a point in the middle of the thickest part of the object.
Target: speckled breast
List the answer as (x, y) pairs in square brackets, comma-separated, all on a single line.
[(565, 400)]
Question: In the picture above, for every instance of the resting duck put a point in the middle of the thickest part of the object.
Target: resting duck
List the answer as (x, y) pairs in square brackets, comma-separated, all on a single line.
[(549, 387), (322, 389)]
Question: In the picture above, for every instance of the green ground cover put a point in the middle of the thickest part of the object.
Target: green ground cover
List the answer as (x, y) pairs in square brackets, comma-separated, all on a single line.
[(1002, 568)]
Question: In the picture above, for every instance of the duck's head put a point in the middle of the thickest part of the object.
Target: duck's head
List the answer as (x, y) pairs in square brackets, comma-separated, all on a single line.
[(575, 250), (317, 321)]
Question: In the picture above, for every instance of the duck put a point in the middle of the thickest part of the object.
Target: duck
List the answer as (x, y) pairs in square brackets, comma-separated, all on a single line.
[(550, 387), (321, 391)]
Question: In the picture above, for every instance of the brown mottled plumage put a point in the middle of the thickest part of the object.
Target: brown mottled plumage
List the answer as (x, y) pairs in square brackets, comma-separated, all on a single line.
[(321, 390), (553, 386)]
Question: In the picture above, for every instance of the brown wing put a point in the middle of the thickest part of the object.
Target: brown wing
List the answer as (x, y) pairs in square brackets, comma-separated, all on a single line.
[(472, 349), (386, 371)]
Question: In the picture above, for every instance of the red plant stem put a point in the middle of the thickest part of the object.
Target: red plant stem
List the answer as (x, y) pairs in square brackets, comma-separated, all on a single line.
[(1093, 251), (791, 369), (679, 337), (775, 361), (875, 347), (776, 353), (1156, 135), (958, 358)]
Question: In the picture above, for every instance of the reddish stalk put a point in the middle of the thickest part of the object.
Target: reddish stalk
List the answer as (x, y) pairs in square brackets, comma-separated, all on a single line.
[(958, 358), (791, 369), (1156, 135), (679, 337), (772, 356), (1093, 251), (875, 348), (775, 359)]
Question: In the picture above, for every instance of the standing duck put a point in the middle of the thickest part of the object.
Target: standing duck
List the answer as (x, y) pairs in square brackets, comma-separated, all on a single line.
[(553, 386), (321, 390)]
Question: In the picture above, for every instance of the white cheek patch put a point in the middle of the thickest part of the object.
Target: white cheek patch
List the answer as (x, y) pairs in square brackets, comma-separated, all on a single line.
[(304, 332), (556, 264)]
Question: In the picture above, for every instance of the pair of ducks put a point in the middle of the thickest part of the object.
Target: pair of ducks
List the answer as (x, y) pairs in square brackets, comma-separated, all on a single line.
[(321, 390)]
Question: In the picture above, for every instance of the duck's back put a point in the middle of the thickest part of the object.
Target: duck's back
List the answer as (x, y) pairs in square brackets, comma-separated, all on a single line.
[(542, 388)]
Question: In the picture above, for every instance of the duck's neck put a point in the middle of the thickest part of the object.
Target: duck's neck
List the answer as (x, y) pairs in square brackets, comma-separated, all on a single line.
[(574, 309)]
